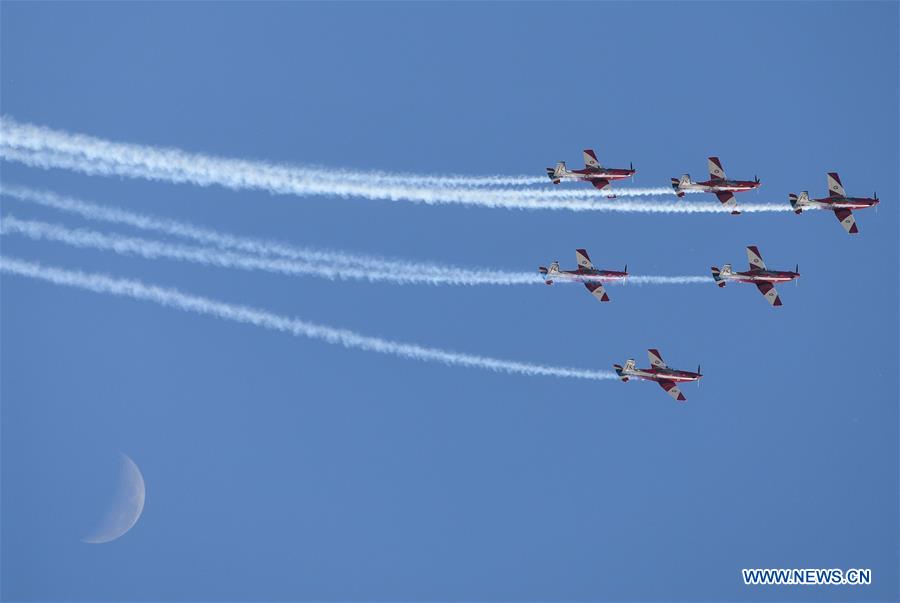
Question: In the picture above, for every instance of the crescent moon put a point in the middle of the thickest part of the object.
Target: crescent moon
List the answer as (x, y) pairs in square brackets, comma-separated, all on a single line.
[(126, 506)]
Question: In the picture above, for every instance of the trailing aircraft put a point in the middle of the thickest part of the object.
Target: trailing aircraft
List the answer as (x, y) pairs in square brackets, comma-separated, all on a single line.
[(592, 278), (758, 274), (723, 188), (667, 378), (837, 201), (593, 172)]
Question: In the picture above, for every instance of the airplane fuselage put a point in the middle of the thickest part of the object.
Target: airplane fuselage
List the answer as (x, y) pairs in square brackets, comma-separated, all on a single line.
[(720, 186), (658, 374), (588, 174), (582, 275), (841, 203), (762, 276)]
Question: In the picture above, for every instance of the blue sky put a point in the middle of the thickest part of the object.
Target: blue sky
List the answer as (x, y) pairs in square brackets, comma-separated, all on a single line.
[(284, 469)]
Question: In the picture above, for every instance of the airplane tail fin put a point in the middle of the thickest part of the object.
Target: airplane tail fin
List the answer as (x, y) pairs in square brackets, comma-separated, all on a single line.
[(720, 276), (799, 202), (549, 273), (622, 371), (677, 183), (557, 173)]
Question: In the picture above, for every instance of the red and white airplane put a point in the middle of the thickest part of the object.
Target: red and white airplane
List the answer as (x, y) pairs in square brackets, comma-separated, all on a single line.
[(667, 378), (592, 278), (717, 183), (758, 274), (593, 172), (837, 201)]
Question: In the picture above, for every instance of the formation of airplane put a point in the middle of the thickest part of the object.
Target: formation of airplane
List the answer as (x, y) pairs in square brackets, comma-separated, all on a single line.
[(592, 278), (758, 274), (658, 371), (837, 201), (593, 172), (723, 188)]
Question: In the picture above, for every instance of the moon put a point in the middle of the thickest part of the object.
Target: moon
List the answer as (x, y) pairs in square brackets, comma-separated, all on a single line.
[(126, 506)]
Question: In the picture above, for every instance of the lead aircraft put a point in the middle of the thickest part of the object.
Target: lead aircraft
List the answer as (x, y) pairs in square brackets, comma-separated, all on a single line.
[(758, 274), (837, 201), (586, 273), (667, 378), (593, 172), (717, 183)]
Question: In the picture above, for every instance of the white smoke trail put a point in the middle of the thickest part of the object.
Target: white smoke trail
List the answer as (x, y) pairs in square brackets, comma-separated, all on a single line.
[(101, 283), (638, 279), (150, 249), (328, 264), (220, 239), (577, 192), (37, 138), (37, 146)]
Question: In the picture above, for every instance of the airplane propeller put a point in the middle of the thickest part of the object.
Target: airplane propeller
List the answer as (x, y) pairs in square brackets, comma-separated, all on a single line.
[(700, 375), (797, 272), (875, 196)]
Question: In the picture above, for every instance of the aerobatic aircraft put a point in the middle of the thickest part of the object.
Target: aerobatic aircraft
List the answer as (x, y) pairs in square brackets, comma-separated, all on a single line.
[(592, 278), (758, 274), (593, 172), (837, 201), (717, 183), (667, 378)]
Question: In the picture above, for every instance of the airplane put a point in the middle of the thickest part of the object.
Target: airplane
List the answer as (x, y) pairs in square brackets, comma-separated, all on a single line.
[(758, 274), (585, 273), (837, 201), (717, 183), (667, 378), (593, 172)]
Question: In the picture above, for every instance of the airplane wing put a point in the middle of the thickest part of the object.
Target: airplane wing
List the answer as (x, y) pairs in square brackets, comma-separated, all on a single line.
[(835, 188), (590, 159), (754, 257), (656, 359), (672, 390), (727, 199), (716, 171), (769, 292), (583, 259), (600, 184), (597, 291), (845, 216)]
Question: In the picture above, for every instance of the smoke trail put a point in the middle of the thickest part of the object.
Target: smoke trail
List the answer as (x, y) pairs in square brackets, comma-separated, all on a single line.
[(400, 275), (205, 236), (328, 264), (37, 138), (149, 249), (667, 280), (578, 192), (101, 283), (45, 148)]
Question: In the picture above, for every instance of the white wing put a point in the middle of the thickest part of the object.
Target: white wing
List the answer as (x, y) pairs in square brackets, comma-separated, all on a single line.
[(835, 188), (583, 259), (716, 171), (755, 258), (590, 159), (656, 359)]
